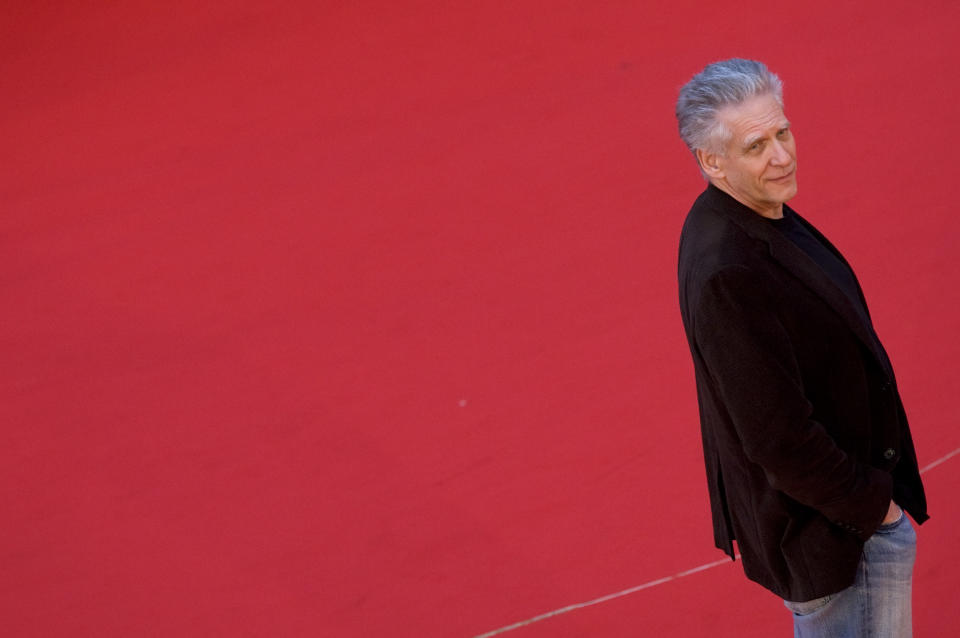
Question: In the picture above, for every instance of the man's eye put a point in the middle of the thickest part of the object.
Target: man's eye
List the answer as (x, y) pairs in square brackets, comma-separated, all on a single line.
[(783, 132)]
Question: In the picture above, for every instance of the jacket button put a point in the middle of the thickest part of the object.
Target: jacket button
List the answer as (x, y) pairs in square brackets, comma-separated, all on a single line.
[(889, 453)]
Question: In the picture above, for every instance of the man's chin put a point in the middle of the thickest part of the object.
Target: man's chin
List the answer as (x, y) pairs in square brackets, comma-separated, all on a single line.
[(787, 191), (792, 192)]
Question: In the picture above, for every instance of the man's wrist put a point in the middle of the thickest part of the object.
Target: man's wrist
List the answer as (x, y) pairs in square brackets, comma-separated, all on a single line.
[(893, 514)]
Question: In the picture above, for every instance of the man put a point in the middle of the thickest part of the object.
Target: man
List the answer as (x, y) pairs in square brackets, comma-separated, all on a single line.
[(808, 453)]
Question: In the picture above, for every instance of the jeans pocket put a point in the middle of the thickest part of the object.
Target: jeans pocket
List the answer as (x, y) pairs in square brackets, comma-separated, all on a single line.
[(808, 607)]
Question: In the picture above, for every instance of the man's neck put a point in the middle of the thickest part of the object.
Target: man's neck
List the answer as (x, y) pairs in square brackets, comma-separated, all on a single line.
[(775, 212)]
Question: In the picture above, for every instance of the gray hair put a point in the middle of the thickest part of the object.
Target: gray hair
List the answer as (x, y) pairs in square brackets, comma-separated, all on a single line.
[(720, 84)]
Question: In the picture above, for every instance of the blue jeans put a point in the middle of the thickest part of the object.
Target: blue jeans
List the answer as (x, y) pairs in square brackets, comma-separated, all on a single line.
[(877, 605)]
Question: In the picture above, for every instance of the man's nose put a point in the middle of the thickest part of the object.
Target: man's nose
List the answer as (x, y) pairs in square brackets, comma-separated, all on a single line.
[(780, 156)]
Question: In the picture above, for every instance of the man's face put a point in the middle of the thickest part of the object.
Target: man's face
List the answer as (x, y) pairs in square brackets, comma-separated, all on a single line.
[(759, 165)]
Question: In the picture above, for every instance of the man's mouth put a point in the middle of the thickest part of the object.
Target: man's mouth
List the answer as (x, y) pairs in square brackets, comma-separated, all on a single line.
[(784, 178)]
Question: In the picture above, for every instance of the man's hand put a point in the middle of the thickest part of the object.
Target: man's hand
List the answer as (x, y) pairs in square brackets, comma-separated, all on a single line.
[(893, 513)]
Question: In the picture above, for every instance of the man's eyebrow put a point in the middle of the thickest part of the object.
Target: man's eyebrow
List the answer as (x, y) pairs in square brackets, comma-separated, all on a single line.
[(756, 137)]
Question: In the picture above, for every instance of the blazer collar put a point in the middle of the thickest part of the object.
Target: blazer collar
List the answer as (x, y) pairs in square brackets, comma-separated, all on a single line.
[(799, 264)]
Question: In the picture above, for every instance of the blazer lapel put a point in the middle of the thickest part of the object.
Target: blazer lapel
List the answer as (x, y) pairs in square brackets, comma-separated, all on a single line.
[(798, 263)]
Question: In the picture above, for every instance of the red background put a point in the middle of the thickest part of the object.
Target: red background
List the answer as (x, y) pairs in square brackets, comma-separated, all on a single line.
[(360, 319)]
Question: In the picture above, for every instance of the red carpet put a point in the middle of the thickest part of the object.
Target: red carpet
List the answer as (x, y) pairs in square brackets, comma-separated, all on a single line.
[(359, 319)]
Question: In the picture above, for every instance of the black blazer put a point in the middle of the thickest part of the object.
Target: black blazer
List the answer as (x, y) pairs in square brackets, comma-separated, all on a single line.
[(804, 434)]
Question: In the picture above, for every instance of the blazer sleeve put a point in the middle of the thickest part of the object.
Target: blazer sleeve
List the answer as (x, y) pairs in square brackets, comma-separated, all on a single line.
[(751, 363)]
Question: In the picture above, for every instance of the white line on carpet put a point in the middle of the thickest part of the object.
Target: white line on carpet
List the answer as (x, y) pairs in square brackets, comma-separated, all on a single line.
[(653, 583)]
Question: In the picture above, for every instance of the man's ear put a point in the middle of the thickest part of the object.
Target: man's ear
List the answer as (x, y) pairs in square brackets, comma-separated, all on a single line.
[(710, 163)]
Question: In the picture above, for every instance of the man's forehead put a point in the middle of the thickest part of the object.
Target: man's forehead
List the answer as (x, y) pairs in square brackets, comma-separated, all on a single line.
[(754, 117)]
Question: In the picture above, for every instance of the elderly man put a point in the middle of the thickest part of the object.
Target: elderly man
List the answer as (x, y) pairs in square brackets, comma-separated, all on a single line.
[(808, 453)]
